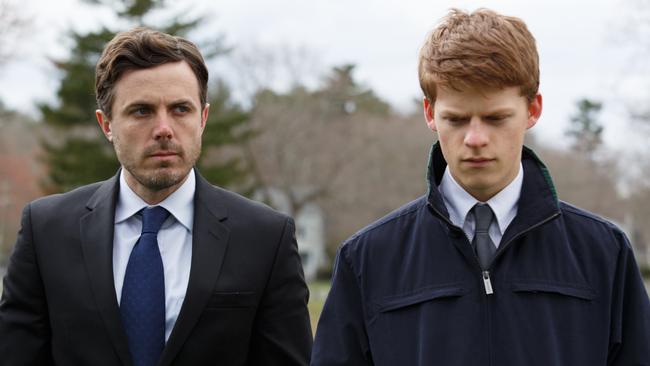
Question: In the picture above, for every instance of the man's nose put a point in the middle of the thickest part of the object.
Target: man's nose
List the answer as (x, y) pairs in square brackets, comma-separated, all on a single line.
[(163, 128), (477, 134)]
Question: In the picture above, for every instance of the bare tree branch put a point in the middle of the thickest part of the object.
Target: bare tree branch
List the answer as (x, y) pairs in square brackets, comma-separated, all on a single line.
[(13, 26)]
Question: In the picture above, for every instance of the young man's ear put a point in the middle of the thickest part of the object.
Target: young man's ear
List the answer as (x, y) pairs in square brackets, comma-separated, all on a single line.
[(204, 116), (428, 114), (104, 124), (534, 111)]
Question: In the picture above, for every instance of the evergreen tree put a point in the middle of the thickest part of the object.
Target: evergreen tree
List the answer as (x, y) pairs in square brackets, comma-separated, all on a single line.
[(78, 153), (585, 129), (342, 91)]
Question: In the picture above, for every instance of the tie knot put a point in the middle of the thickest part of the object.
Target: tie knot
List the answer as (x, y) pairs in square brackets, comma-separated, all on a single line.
[(153, 218), (483, 215)]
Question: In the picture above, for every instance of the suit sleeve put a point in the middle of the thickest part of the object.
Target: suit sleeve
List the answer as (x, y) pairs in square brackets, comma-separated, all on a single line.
[(630, 333), (24, 323), (341, 337), (282, 333)]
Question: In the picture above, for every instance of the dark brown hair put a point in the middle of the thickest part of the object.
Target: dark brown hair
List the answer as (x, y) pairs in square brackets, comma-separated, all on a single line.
[(482, 49), (142, 48)]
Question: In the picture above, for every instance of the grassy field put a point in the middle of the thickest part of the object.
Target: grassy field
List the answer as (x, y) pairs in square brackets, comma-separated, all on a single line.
[(317, 293)]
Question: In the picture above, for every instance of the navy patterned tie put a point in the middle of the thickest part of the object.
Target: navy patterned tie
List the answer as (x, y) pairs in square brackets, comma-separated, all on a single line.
[(482, 243), (143, 294)]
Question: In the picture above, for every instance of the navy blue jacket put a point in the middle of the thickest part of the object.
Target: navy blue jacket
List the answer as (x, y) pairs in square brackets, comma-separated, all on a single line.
[(563, 289)]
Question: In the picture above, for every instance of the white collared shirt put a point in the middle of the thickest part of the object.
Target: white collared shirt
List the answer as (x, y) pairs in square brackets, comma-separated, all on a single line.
[(459, 203), (174, 242)]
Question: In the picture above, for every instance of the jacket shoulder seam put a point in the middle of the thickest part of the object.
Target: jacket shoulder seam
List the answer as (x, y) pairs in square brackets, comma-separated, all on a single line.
[(416, 205), (567, 207), (612, 228)]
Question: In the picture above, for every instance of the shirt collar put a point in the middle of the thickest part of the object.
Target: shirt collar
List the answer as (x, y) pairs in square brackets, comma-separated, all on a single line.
[(180, 203), (459, 202)]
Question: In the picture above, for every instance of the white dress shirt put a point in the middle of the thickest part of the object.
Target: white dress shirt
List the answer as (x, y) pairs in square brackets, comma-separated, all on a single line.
[(459, 203), (174, 242)]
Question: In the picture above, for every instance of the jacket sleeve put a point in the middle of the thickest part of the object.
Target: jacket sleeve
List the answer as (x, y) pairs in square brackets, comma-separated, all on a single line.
[(282, 330), (630, 329), (24, 322), (341, 337)]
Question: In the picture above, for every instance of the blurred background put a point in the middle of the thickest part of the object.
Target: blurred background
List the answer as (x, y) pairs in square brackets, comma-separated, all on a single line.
[(315, 106)]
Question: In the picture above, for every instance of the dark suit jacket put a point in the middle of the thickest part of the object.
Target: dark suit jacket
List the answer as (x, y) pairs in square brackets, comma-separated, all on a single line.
[(246, 301)]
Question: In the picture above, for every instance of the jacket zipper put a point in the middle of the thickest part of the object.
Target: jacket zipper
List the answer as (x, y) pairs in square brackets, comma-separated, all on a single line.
[(487, 283), (503, 247), (485, 274)]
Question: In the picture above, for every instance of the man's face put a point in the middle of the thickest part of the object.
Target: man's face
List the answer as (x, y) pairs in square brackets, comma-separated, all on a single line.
[(156, 126), (481, 134)]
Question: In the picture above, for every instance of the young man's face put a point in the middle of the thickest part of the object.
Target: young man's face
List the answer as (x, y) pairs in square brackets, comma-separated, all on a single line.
[(481, 133), (156, 126)]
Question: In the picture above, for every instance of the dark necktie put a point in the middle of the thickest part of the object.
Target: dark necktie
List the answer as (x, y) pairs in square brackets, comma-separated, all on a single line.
[(143, 294), (482, 243)]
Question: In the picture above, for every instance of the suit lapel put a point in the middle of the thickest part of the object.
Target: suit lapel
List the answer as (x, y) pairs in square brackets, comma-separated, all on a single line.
[(209, 241), (97, 228)]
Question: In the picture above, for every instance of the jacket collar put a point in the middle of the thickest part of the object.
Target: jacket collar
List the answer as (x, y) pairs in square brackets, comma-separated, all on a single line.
[(537, 202), (96, 229)]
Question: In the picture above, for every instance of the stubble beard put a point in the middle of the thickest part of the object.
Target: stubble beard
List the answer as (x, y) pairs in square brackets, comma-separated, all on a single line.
[(166, 174), (160, 179)]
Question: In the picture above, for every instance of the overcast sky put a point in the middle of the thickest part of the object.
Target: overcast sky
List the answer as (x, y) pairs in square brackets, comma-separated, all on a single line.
[(580, 45)]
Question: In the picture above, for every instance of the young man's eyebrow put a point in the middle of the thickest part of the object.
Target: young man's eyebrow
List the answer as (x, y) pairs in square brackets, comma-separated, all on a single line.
[(500, 111), (448, 113)]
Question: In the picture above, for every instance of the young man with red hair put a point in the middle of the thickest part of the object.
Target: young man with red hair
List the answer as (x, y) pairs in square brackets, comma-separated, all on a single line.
[(489, 267)]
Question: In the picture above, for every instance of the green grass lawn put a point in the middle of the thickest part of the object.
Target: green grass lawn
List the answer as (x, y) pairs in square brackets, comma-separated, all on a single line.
[(317, 293)]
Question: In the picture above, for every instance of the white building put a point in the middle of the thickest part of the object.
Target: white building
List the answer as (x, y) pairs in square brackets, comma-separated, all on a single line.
[(310, 230)]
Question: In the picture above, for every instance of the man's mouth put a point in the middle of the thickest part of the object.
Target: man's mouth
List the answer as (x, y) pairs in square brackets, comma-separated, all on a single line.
[(163, 154), (478, 161)]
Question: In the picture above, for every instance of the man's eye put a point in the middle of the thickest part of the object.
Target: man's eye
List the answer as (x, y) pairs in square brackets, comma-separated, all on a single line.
[(496, 118), (181, 109), (140, 112), (456, 120)]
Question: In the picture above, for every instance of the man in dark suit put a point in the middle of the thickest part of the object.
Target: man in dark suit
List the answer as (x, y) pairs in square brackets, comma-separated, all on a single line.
[(154, 266)]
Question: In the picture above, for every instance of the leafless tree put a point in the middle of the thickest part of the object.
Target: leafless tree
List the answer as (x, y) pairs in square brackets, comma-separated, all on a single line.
[(13, 26), (20, 173), (277, 67), (333, 143), (303, 146), (357, 166)]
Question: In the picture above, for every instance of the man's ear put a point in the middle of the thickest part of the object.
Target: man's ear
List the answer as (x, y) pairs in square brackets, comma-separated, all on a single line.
[(204, 116), (428, 114), (534, 111), (104, 124)]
